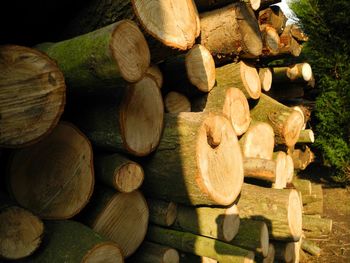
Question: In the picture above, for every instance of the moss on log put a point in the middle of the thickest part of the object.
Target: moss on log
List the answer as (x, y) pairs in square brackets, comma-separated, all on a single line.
[(314, 227)]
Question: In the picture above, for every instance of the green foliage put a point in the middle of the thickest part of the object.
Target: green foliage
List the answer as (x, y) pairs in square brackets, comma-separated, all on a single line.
[(327, 23)]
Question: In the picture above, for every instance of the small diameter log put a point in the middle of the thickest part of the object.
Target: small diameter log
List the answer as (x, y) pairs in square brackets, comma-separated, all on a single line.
[(150, 252), (316, 207), (311, 247), (242, 76), (32, 95), (302, 185), (230, 31), (287, 251), (120, 217), (118, 172), (162, 213), (306, 136), (131, 122), (305, 111), (265, 75), (218, 223), (254, 236), (300, 72), (286, 92), (229, 101), (273, 16), (44, 176), (279, 209), (286, 123), (101, 58), (281, 170), (203, 157), (302, 158), (204, 5), (190, 258), (69, 241), (21, 232), (314, 227), (271, 40), (155, 72), (175, 102), (258, 141), (199, 245), (288, 45)]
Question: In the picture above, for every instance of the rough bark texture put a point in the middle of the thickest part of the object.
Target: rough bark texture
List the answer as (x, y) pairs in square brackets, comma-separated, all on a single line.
[(261, 169), (271, 40), (69, 241), (279, 209), (314, 227), (150, 252), (198, 245), (285, 122), (162, 213), (231, 31), (32, 95), (101, 58), (204, 161), (44, 176)]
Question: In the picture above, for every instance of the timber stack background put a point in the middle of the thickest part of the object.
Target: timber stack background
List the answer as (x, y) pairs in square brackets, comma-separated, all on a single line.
[(159, 131)]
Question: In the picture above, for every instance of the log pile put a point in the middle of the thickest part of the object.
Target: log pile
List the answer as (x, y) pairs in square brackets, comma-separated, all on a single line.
[(116, 178)]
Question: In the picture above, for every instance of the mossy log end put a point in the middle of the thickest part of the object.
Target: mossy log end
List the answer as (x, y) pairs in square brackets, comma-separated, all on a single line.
[(150, 252), (21, 232), (118, 172), (69, 241), (231, 31), (286, 122), (42, 177), (218, 223), (32, 96), (101, 58), (279, 209), (203, 157), (161, 212), (199, 245), (120, 217)]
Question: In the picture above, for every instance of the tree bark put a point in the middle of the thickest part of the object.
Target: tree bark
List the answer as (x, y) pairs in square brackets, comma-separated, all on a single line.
[(118, 172), (279, 209), (132, 121), (155, 72), (265, 75), (306, 136), (281, 170), (101, 58), (298, 73), (32, 96), (176, 102), (311, 247), (261, 169), (204, 161), (218, 223), (120, 217), (69, 241), (44, 176), (286, 123), (314, 227), (282, 92), (231, 31), (288, 45), (198, 245), (273, 16), (287, 251), (190, 258), (298, 33), (205, 5), (21, 232), (153, 253), (162, 213)]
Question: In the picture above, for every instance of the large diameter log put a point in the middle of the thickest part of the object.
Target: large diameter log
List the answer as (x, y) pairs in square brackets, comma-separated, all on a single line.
[(229, 101), (242, 76), (279, 209), (204, 5), (300, 72), (286, 123), (118, 172), (314, 227), (231, 30), (253, 235), (69, 241), (203, 157), (150, 252), (44, 176), (265, 75), (287, 251), (32, 95), (176, 102), (21, 232), (218, 223), (258, 141), (102, 58), (273, 16), (131, 122), (199, 245), (120, 217), (161, 212)]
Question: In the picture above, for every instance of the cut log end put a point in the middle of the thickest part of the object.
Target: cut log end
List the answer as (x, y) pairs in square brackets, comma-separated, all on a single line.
[(129, 177), (292, 128), (271, 39), (130, 50), (265, 75), (200, 68), (306, 71), (231, 223), (106, 252), (32, 95), (20, 233), (295, 214), (219, 158), (141, 117), (171, 256), (289, 168), (264, 240), (255, 4), (236, 108), (280, 181), (251, 80), (175, 102), (171, 214), (172, 23), (155, 72), (44, 176)]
